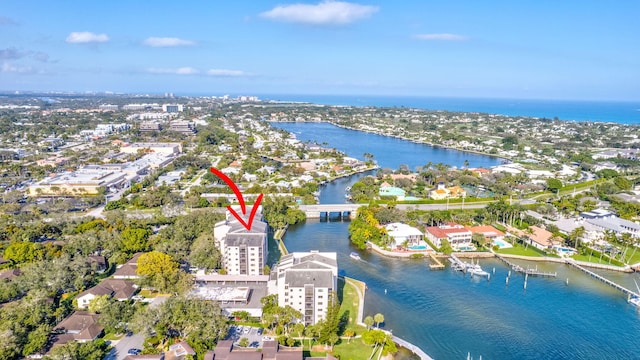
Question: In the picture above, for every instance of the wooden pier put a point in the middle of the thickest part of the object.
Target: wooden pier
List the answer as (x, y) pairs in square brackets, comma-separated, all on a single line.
[(527, 271), (435, 263), (616, 286)]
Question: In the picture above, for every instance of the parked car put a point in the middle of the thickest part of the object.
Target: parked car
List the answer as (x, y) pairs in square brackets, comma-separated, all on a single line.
[(134, 351)]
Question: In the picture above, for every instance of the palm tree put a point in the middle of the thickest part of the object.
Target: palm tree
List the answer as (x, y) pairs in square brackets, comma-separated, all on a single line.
[(378, 318)]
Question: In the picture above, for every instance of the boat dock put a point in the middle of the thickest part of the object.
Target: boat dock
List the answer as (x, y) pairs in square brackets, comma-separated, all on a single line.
[(457, 264), (616, 286), (435, 263), (527, 271)]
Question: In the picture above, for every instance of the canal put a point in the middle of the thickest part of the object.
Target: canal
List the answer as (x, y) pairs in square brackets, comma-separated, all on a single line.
[(450, 315)]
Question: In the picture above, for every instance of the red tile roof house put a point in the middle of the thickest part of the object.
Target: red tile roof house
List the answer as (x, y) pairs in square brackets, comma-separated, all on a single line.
[(457, 235), (81, 326), (541, 238), (489, 232)]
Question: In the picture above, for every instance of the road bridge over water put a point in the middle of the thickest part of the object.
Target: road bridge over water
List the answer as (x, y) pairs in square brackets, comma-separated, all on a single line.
[(349, 210)]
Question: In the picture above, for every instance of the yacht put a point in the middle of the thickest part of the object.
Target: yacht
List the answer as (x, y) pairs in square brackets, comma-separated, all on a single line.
[(355, 256), (475, 269)]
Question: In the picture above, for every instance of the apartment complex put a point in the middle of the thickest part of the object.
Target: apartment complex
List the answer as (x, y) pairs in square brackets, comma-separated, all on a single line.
[(304, 281), (244, 251)]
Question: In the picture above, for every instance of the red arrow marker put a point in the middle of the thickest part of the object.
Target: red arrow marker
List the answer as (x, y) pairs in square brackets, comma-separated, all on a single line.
[(236, 191)]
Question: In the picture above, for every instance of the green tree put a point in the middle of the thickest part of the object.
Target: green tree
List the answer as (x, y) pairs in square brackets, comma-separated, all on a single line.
[(368, 321), (378, 318), (159, 271), (134, 239), (183, 317), (554, 185), (204, 252), (244, 342)]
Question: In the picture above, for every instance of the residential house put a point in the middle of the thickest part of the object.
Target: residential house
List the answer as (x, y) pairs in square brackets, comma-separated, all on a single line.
[(305, 281), (393, 191), (458, 236), (440, 192), (119, 289), (271, 350), (179, 351), (541, 238), (400, 233), (128, 270), (490, 233), (81, 326)]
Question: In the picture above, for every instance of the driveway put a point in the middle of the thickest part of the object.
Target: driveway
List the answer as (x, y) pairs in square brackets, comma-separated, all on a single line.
[(135, 341), (120, 348)]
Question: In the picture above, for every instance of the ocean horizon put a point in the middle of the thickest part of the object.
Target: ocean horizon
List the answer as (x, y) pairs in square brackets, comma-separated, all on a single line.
[(622, 112)]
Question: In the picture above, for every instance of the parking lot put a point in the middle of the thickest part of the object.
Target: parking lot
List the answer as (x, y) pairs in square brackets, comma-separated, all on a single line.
[(253, 334)]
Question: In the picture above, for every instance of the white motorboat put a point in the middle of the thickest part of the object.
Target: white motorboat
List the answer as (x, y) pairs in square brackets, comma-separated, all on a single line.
[(355, 256), (475, 269)]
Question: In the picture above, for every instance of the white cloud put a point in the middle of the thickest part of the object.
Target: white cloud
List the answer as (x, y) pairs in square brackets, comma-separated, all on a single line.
[(167, 42), (8, 68), (83, 37), (179, 71), (440, 37), (324, 13), (226, 73)]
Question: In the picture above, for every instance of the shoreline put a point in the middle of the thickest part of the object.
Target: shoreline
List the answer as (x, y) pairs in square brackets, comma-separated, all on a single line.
[(486, 254), (402, 138)]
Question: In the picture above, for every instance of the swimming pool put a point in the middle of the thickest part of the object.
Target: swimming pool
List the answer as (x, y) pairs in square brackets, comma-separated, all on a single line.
[(502, 244), (466, 248), (565, 250), (417, 247)]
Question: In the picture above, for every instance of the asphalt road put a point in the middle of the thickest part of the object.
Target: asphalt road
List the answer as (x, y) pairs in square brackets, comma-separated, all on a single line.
[(135, 341)]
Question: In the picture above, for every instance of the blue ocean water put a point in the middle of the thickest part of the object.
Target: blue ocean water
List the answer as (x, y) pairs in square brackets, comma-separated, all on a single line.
[(623, 112)]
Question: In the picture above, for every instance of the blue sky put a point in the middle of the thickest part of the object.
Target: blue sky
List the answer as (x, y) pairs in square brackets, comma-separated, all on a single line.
[(495, 49)]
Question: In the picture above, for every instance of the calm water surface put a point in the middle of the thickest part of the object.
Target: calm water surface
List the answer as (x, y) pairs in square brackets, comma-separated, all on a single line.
[(449, 314), (388, 152)]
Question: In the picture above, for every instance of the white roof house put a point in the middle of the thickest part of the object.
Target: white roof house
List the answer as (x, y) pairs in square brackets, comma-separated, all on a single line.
[(402, 232)]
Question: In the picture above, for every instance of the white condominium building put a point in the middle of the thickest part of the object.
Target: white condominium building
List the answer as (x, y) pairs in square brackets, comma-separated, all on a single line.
[(305, 281), (244, 251)]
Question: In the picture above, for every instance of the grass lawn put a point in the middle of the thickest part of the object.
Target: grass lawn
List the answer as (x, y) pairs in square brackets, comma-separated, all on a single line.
[(112, 336), (519, 249), (150, 293), (593, 259), (632, 260), (354, 350), (349, 302)]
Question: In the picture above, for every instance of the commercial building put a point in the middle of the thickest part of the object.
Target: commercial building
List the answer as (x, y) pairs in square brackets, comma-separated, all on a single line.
[(165, 148), (172, 108)]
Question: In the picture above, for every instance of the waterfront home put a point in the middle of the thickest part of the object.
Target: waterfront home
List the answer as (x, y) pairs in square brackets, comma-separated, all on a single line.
[(398, 193), (458, 236), (400, 233), (489, 232), (541, 238), (440, 192)]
